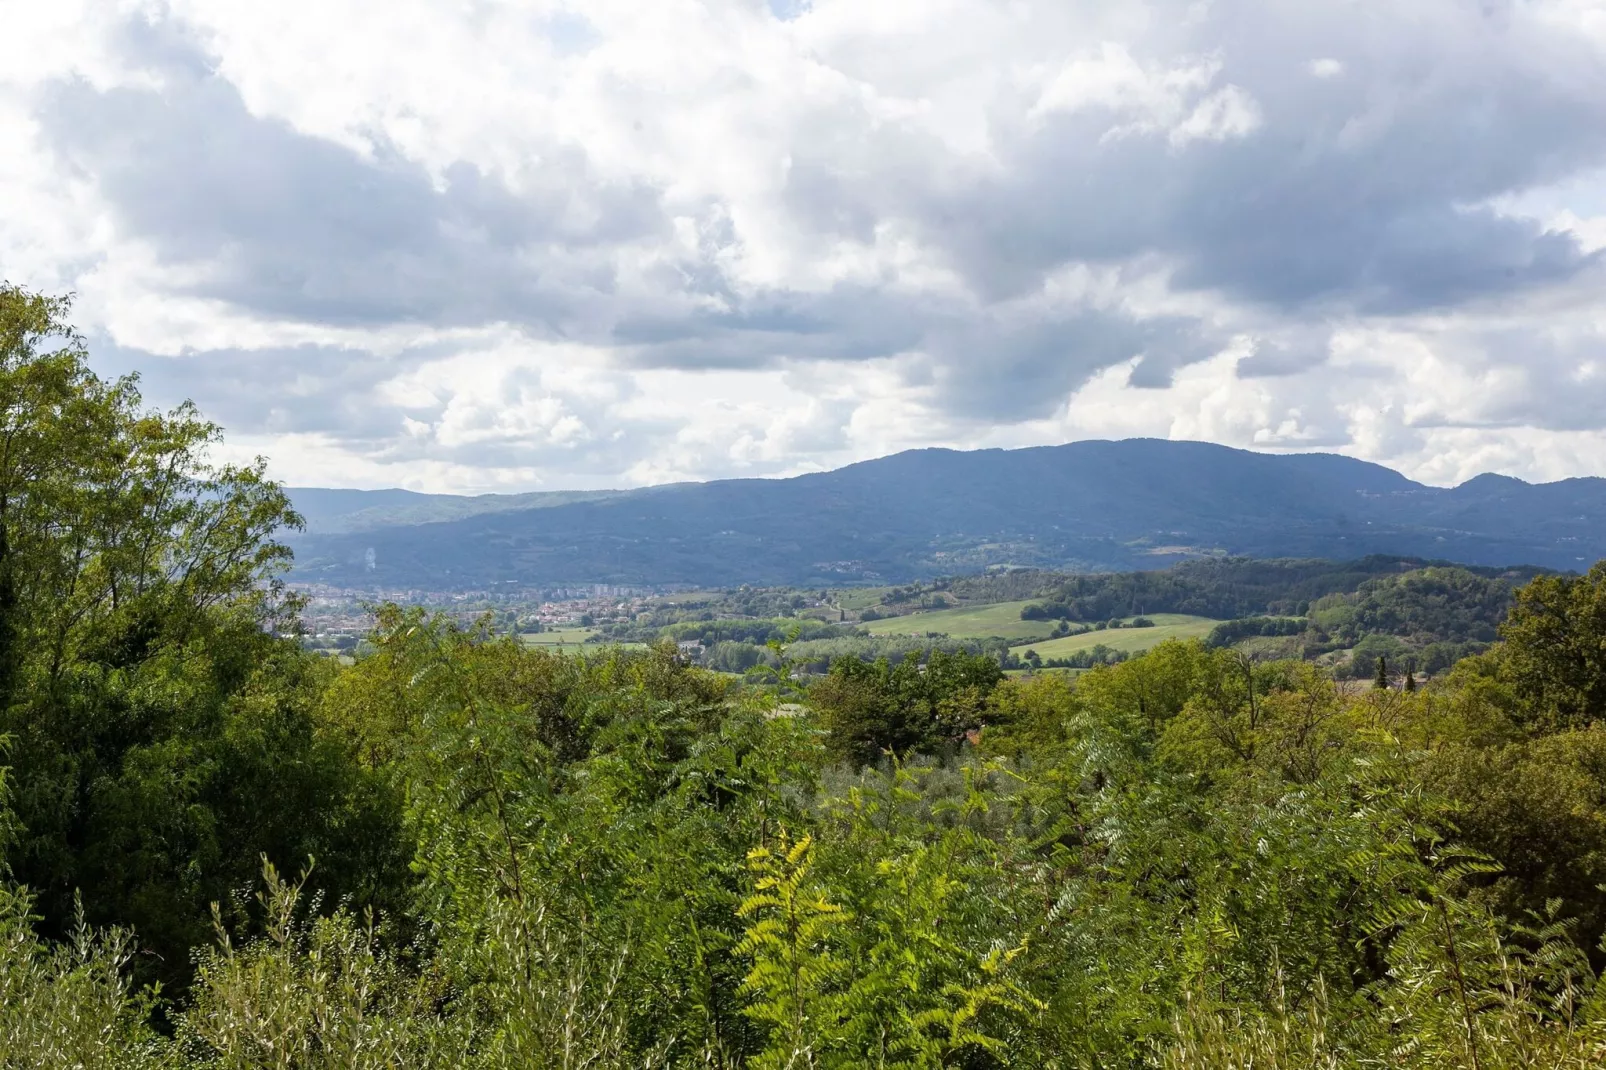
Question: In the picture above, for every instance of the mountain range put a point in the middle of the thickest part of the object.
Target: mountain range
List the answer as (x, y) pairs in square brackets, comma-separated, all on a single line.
[(1088, 506)]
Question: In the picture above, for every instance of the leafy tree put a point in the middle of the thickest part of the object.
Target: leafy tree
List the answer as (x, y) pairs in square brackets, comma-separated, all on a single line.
[(1031, 716), (871, 708), (151, 706), (1555, 648), (1286, 720), (1538, 806)]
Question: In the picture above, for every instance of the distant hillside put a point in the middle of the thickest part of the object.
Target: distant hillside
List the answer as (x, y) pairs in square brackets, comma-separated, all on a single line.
[(338, 512), (1415, 614), (1228, 588), (1135, 504)]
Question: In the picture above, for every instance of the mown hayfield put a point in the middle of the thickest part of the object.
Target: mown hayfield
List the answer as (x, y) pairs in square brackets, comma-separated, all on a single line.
[(572, 641), (559, 637), (1131, 640), (853, 599), (967, 622)]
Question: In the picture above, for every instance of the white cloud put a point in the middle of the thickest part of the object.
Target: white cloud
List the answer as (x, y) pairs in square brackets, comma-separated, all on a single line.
[(1227, 113), (1112, 80), (556, 244)]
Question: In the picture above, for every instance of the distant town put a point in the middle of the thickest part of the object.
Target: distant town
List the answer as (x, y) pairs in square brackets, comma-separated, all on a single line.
[(335, 617)]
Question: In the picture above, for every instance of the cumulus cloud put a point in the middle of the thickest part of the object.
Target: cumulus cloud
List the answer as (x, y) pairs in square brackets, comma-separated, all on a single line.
[(512, 246)]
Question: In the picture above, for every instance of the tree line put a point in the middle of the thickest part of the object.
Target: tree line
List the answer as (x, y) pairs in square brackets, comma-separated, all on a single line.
[(1229, 588)]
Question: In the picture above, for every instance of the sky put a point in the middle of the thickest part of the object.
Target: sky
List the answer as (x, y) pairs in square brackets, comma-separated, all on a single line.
[(470, 246)]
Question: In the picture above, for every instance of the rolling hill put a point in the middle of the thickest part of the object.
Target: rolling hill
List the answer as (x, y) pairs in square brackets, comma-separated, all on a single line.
[(1000, 619), (1133, 504)]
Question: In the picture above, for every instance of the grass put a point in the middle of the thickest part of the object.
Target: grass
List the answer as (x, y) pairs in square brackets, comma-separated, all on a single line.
[(1272, 646), (857, 598), (573, 641), (677, 598), (559, 637), (1131, 640), (967, 622)]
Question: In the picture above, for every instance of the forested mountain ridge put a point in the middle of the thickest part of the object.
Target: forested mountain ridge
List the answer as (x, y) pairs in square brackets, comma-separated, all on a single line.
[(327, 511), (1133, 504)]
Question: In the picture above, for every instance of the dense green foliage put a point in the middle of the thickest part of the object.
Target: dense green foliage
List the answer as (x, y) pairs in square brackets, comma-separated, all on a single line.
[(1429, 618), (1230, 632), (871, 708), (1189, 859), (149, 711), (1426, 605), (1558, 661), (1230, 588)]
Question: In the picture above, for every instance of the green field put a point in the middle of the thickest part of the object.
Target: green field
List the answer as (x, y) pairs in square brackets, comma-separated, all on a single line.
[(681, 597), (573, 641), (967, 622), (559, 637), (1131, 640), (853, 599)]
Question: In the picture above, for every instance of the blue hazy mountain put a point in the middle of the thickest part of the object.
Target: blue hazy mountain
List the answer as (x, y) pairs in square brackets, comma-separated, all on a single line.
[(1138, 503)]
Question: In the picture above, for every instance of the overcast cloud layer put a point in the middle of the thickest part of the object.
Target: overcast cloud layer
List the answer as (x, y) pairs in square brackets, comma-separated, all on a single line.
[(510, 246)]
